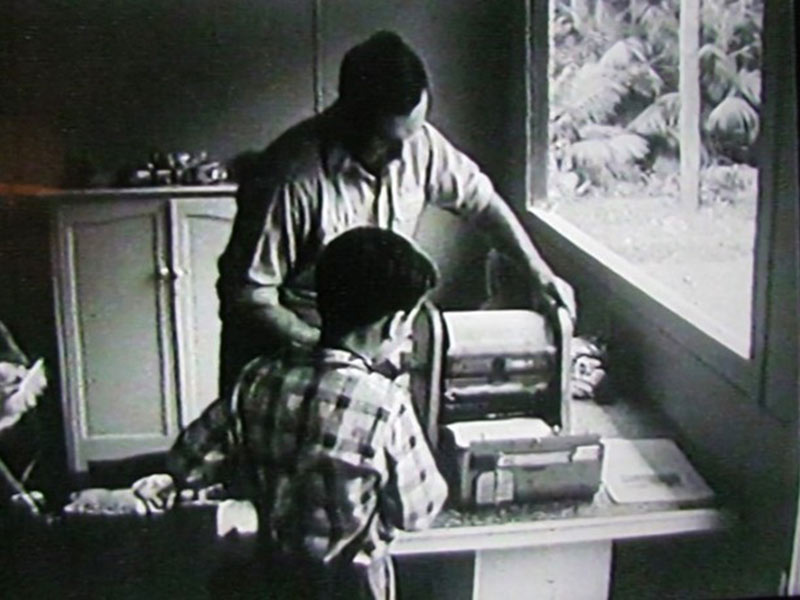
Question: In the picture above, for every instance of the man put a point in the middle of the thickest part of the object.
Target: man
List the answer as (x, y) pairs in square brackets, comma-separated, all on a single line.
[(330, 449), (370, 159)]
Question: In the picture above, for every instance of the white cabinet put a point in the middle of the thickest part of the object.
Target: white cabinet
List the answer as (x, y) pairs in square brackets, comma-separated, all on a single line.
[(137, 312), (200, 231)]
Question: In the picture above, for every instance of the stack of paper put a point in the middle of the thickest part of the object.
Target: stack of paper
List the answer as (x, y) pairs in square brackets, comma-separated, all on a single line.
[(652, 470), (520, 428)]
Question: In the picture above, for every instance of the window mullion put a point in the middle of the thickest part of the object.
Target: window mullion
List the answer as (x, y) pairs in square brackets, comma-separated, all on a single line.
[(538, 115)]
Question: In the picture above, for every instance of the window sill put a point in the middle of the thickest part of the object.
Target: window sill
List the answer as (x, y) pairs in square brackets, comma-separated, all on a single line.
[(727, 354)]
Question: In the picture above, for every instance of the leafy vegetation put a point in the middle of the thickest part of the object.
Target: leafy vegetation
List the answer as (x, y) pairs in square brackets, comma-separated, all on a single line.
[(615, 102)]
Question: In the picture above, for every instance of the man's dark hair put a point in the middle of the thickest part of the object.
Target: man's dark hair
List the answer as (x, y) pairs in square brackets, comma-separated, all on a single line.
[(368, 273), (382, 76)]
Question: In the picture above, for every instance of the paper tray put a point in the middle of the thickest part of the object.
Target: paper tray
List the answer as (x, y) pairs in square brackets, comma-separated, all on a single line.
[(496, 462)]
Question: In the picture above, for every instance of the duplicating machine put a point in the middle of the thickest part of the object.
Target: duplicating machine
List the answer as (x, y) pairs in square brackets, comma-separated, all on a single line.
[(491, 389)]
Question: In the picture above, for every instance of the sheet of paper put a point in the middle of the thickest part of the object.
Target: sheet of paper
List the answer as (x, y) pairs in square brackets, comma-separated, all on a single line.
[(466, 432), (236, 515), (652, 470)]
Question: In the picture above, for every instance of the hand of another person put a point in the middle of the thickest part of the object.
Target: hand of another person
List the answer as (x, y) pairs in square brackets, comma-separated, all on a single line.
[(157, 491), (563, 294), (20, 388)]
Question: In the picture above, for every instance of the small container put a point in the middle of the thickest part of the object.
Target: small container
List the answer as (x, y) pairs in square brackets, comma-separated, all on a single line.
[(495, 468)]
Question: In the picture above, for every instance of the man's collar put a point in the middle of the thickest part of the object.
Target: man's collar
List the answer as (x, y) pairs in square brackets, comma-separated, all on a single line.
[(337, 159)]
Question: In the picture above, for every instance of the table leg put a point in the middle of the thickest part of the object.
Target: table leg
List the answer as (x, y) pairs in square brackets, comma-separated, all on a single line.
[(575, 571)]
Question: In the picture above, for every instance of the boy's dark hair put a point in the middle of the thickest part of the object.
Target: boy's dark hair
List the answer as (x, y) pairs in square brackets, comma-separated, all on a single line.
[(368, 273), (382, 76)]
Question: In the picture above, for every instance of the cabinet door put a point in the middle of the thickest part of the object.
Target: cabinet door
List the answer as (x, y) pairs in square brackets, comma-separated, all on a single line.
[(113, 284), (200, 230)]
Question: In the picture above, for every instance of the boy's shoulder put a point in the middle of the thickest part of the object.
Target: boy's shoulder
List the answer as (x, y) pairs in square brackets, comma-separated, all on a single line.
[(369, 386), (332, 373)]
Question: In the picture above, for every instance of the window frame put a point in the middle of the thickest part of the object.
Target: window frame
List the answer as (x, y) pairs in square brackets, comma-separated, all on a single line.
[(742, 363)]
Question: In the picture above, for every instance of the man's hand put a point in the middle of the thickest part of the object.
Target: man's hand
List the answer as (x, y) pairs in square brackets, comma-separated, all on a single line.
[(278, 322), (157, 491), (563, 294), (512, 239)]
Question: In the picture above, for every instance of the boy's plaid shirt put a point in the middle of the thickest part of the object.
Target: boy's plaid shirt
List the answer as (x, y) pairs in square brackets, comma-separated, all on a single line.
[(335, 456)]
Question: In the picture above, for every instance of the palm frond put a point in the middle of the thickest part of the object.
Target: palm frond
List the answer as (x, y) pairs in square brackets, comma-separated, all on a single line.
[(624, 54), (718, 72), (561, 84), (733, 120), (645, 81), (596, 131), (658, 24), (711, 52), (593, 94), (657, 14), (562, 127), (627, 62), (607, 155), (750, 86), (658, 119)]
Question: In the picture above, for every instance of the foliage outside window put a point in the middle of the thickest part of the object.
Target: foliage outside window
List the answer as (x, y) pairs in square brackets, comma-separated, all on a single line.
[(614, 142)]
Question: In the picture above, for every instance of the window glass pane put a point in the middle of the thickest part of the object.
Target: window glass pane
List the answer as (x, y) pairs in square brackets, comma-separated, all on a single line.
[(614, 164)]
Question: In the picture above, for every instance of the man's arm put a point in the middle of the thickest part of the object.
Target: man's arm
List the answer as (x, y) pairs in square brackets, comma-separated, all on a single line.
[(456, 183), (277, 321), (505, 230), (273, 223)]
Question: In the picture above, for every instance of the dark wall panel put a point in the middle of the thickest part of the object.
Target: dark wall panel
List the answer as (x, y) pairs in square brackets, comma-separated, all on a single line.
[(107, 82), (474, 51)]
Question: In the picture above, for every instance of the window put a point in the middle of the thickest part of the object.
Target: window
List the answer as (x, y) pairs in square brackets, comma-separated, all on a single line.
[(650, 128)]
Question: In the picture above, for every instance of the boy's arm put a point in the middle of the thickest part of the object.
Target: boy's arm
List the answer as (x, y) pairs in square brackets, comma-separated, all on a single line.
[(198, 458), (416, 490)]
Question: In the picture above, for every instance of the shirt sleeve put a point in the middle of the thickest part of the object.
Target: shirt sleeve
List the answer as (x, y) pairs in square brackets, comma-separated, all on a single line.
[(272, 225), (208, 451), (201, 455), (416, 491), (455, 182)]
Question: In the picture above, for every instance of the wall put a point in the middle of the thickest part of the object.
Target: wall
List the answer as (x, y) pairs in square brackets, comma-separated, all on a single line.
[(91, 86), (108, 82)]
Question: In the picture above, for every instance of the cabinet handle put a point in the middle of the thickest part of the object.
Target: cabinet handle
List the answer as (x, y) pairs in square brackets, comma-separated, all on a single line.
[(167, 273)]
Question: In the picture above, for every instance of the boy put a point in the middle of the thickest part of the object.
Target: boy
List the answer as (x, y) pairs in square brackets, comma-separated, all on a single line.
[(333, 454)]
